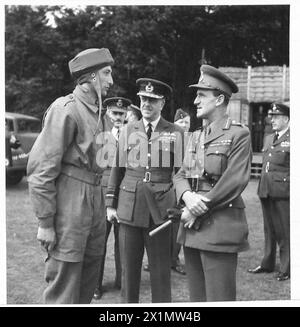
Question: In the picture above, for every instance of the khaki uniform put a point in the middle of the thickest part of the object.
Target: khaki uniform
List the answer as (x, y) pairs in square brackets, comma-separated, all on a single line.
[(141, 190), (65, 188), (274, 193), (222, 231)]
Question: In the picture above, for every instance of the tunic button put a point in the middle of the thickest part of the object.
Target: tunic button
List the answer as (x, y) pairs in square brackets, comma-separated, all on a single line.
[(217, 152), (147, 167), (230, 205), (284, 179), (270, 154), (272, 147), (148, 154), (124, 187)]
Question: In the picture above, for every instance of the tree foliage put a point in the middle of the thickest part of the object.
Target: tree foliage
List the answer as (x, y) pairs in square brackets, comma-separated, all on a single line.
[(163, 42)]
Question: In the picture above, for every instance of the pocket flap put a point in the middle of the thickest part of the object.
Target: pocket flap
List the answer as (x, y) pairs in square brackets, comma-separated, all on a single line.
[(128, 185)]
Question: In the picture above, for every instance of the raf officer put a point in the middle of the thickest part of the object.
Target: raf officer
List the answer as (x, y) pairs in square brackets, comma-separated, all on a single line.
[(274, 194), (64, 182), (116, 110), (140, 191), (215, 171)]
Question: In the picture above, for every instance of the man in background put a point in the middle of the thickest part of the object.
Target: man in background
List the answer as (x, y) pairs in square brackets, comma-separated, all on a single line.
[(116, 110), (274, 194)]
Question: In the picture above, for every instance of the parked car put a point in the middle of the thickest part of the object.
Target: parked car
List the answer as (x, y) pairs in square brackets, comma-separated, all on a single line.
[(24, 129)]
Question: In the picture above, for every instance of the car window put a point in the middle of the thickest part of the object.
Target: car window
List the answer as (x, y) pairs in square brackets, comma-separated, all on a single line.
[(30, 126), (10, 124)]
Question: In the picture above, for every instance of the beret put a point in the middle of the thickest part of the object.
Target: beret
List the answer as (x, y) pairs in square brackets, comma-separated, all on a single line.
[(180, 114), (89, 60)]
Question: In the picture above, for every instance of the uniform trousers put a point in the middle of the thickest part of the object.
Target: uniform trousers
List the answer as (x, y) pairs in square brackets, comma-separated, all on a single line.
[(175, 247), (276, 215), (133, 240), (211, 275), (71, 282), (116, 254)]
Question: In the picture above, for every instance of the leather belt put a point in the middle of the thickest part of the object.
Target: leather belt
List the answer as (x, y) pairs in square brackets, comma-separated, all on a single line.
[(198, 184), (81, 174), (150, 176)]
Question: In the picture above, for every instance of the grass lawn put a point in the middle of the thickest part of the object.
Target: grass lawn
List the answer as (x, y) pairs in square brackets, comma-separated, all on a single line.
[(25, 266)]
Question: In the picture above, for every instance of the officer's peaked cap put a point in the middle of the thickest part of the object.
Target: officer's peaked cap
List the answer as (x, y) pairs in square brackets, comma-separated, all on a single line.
[(212, 78), (117, 103), (90, 60), (280, 109), (153, 88)]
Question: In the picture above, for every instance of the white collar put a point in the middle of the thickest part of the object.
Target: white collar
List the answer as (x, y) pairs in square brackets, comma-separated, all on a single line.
[(153, 123), (114, 132)]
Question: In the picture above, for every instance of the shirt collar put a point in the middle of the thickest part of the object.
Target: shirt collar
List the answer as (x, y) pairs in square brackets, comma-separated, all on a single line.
[(153, 123), (114, 132)]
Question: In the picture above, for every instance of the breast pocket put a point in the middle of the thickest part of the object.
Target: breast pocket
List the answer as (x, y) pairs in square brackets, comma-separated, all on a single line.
[(216, 158), (280, 157)]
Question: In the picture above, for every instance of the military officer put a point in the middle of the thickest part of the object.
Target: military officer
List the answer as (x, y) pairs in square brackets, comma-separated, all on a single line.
[(140, 191), (274, 194), (215, 171), (65, 182), (116, 111)]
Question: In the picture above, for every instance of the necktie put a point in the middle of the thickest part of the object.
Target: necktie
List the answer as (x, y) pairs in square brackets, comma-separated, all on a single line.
[(275, 137), (118, 134), (149, 131)]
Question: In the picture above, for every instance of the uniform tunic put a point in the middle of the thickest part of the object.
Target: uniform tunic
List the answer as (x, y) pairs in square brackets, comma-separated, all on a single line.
[(227, 160), (274, 193), (140, 188), (211, 245)]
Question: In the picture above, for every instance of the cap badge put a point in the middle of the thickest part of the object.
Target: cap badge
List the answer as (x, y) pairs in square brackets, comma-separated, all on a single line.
[(149, 87), (181, 116), (119, 103), (274, 107)]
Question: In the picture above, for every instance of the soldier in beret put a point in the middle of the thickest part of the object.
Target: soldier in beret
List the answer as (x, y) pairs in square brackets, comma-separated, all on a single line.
[(140, 192), (274, 194), (65, 182), (182, 119), (133, 114), (215, 171), (116, 110)]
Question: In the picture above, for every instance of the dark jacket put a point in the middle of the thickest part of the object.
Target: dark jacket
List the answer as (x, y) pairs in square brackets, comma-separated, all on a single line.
[(140, 184), (275, 175)]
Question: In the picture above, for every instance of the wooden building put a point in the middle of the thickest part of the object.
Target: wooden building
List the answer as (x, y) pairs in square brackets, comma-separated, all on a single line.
[(258, 88)]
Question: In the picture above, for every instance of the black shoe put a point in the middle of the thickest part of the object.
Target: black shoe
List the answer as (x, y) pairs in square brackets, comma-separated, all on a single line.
[(179, 269), (259, 270), (282, 276), (98, 294), (146, 267)]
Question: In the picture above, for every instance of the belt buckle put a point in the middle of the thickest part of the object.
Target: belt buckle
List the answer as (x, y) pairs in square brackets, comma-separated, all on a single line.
[(147, 177)]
